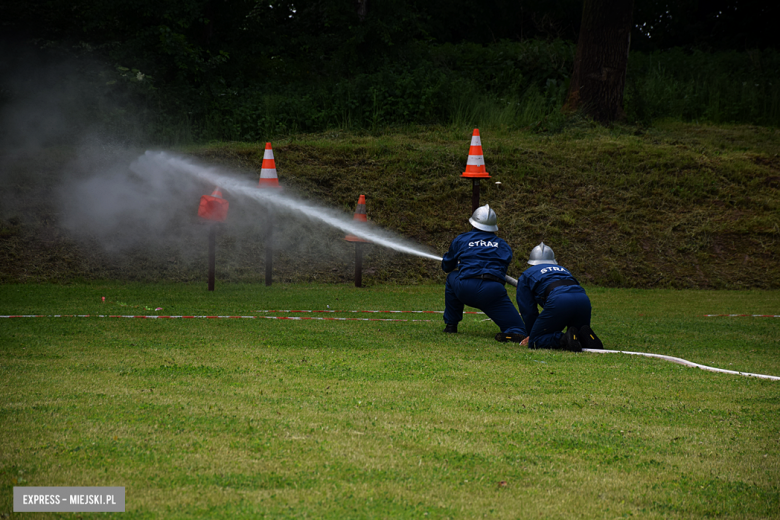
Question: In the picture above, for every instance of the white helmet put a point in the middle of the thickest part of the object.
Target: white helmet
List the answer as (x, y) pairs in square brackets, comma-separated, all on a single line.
[(541, 254), (484, 219)]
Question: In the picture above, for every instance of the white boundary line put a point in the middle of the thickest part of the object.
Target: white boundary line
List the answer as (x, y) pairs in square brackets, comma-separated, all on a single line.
[(152, 317), (373, 312), (748, 315)]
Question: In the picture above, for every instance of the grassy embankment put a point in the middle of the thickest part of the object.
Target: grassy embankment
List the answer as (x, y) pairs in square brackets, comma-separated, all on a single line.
[(359, 419), (676, 205)]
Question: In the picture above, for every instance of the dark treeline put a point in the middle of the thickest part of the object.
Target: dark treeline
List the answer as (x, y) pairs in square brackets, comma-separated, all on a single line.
[(208, 69)]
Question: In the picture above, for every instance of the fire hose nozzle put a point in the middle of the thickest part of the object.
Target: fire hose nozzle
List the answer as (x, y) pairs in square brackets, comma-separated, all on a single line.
[(510, 280)]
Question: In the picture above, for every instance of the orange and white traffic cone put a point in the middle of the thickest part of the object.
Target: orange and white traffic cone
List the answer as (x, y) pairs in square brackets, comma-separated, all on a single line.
[(268, 178), (359, 216), (475, 166)]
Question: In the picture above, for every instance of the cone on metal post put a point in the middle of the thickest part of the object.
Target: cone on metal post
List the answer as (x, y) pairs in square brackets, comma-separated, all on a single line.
[(475, 166), (360, 216), (213, 207), (268, 178)]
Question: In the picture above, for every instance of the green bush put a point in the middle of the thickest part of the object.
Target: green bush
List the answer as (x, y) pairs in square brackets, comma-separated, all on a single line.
[(503, 85), (723, 87), (506, 84)]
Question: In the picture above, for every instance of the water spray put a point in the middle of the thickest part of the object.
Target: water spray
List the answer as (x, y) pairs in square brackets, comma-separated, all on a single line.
[(279, 199)]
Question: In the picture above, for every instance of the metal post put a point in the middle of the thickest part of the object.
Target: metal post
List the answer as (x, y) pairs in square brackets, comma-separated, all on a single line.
[(212, 254), (358, 264), (474, 195), (269, 249)]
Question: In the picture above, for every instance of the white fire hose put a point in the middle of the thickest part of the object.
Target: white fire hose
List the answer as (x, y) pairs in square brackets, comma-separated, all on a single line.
[(681, 361)]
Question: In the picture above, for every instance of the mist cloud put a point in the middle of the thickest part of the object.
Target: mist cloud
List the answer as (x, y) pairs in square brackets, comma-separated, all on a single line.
[(70, 179)]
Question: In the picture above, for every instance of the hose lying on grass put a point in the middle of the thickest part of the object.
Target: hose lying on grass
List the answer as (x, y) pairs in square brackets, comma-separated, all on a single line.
[(681, 361)]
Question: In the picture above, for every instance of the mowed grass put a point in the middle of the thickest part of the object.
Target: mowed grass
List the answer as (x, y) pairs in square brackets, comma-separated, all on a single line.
[(369, 419)]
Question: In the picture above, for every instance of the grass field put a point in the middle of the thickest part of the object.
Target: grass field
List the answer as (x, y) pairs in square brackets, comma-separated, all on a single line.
[(255, 418)]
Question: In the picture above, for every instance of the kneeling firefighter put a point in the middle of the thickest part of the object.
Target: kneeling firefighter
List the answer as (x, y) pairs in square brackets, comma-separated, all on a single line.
[(564, 303), (477, 262)]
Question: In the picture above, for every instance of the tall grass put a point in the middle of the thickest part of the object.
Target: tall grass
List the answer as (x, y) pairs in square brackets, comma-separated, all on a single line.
[(726, 87), (522, 111)]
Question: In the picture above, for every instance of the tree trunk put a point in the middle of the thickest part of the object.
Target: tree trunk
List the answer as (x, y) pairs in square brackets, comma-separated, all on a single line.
[(208, 30), (362, 9), (599, 75)]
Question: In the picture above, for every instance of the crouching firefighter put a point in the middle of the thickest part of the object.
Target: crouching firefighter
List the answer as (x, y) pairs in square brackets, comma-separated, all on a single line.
[(564, 302), (477, 262)]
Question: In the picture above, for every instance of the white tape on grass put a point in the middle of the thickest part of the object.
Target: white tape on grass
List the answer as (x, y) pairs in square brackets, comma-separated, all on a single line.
[(142, 317), (375, 312), (681, 361), (743, 315)]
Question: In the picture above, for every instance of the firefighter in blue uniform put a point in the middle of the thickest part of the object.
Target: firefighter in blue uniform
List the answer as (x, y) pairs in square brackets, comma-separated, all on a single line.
[(477, 262), (564, 302)]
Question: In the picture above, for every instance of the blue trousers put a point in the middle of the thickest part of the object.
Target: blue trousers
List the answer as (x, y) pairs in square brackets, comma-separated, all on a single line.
[(488, 296), (565, 307)]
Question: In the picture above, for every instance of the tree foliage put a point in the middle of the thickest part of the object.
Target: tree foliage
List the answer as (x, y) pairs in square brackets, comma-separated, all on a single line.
[(244, 65), (197, 41)]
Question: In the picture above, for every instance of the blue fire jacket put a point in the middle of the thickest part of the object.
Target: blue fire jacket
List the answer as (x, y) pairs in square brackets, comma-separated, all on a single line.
[(532, 285), (478, 252)]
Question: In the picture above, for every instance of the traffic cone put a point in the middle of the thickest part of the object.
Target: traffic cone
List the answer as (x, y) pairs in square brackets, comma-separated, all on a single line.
[(268, 178), (213, 207), (475, 166), (360, 216)]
